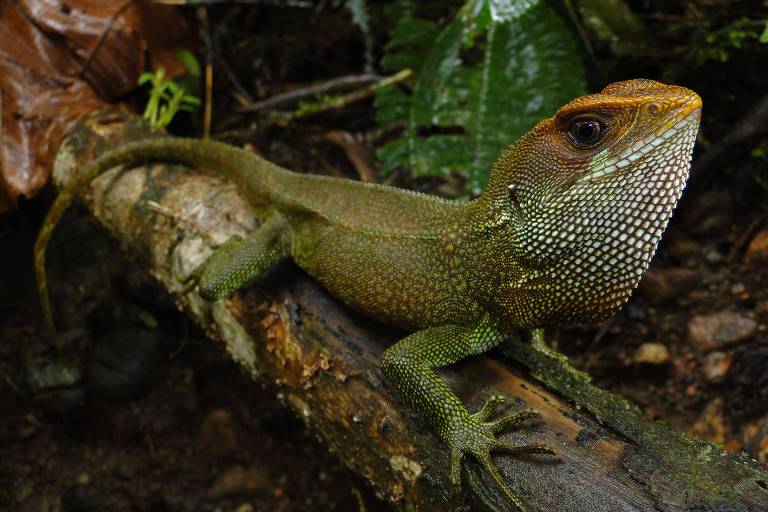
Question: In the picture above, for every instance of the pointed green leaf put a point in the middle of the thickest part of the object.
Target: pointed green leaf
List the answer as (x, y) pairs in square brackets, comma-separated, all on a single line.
[(489, 75)]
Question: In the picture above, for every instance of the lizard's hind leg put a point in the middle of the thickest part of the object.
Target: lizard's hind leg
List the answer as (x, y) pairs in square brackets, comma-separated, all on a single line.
[(240, 260)]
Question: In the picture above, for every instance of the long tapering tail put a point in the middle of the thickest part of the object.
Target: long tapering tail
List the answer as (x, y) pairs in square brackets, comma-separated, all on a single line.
[(227, 161)]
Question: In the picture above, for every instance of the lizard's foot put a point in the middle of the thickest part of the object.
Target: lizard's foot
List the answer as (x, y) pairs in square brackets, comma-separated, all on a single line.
[(191, 280), (539, 343), (475, 435)]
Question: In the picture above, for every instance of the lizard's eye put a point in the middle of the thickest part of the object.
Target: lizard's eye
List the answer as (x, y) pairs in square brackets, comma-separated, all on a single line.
[(586, 132)]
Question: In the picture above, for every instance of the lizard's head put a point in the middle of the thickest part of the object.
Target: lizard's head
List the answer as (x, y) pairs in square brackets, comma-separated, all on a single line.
[(590, 190)]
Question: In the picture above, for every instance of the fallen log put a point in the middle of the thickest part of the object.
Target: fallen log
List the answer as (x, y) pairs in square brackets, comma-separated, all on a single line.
[(322, 359)]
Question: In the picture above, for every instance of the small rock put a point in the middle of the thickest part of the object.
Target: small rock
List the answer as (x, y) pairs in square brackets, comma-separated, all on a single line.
[(716, 365), (757, 251), (660, 285), (711, 425), (245, 507), (713, 257), (738, 289), (756, 439), (710, 214), (635, 311), (125, 363), (53, 374), (218, 434), (713, 331), (83, 479), (681, 247), (651, 353), (237, 480), (762, 307), (228, 483)]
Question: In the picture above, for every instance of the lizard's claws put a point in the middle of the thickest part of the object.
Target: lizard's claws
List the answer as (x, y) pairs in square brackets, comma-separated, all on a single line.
[(191, 280), (475, 435)]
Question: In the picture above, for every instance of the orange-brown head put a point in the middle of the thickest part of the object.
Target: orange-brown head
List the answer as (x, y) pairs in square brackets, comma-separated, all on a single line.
[(589, 192)]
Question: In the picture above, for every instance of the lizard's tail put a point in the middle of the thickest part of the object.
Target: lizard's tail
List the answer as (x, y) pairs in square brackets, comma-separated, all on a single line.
[(225, 160)]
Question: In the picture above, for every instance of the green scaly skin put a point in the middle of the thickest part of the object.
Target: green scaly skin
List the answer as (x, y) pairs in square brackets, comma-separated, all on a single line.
[(562, 234)]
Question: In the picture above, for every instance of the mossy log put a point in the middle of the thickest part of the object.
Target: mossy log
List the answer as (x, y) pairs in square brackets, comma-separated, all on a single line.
[(322, 360)]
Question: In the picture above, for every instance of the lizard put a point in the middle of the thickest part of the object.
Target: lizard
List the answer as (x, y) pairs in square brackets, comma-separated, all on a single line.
[(565, 228)]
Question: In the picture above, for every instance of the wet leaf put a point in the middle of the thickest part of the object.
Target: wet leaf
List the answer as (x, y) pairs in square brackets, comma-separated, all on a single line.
[(487, 77), (57, 63)]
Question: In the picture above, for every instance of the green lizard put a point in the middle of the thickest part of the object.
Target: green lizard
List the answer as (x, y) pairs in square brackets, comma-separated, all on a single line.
[(567, 225)]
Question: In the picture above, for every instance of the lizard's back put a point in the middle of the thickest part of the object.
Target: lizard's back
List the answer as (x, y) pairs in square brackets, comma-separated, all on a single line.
[(390, 253)]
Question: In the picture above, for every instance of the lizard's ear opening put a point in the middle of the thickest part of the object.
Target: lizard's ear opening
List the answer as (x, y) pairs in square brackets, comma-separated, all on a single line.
[(514, 198)]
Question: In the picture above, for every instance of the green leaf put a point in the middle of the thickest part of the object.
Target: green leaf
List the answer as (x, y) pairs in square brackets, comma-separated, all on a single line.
[(764, 35), (166, 98), (189, 60), (146, 77), (495, 70)]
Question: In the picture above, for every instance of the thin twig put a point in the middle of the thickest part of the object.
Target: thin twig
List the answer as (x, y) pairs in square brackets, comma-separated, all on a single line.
[(241, 95), (746, 236), (313, 90), (202, 16), (356, 153), (580, 30), (337, 102)]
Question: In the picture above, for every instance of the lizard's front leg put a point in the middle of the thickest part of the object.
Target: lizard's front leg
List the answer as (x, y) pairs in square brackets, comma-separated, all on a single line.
[(409, 366)]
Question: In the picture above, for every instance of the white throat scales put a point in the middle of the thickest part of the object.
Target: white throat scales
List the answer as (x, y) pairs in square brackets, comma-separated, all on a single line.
[(602, 232)]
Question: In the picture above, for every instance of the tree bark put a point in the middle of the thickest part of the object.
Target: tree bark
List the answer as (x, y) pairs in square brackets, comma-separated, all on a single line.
[(323, 361)]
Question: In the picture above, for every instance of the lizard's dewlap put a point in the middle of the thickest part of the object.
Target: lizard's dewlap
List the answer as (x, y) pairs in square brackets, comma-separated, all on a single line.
[(611, 227), (604, 230)]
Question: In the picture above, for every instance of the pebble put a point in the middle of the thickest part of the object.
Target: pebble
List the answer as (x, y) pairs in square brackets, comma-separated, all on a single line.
[(756, 439), (660, 285), (757, 250), (53, 374), (709, 332), (711, 425), (651, 353), (713, 257), (228, 483), (716, 366), (237, 480), (218, 434), (761, 307), (710, 214), (682, 248), (739, 289), (125, 363)]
